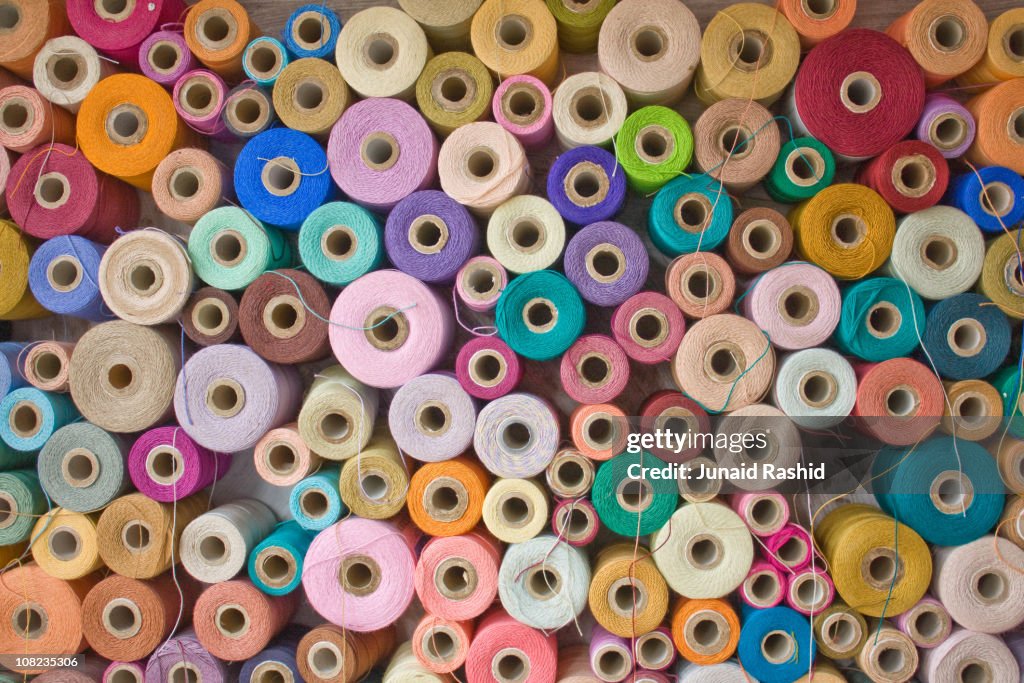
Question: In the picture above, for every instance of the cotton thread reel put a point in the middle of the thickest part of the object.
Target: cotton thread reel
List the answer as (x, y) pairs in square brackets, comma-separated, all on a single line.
[(199, 100), (389, 327), (540, 315), (339, 242), (275, 564), (945, 38), (518, 37), (1000, 280), (132, 672), (627, 594), (816, 388), (653, 146), (748, 52), (637, 506), (210, 317), (993, 197), (880, 319), (889, 653), (167, 465), (969, 654), (1002, 58), (441, 645), (588, 108), (840, 631), (946, 125), (315, 502), (277, 659), (967, 337), (118, 31), (454, 89), (988, 603), (27, 120), (16, 300), (522, 105), (927, 623), (24, 502), (328, 652), (780, 446), (816, 21), (432, 418), (938, 252), (911, 175), (139, 537), (430, 236), (803, 168), (282, 457), (576, 522), (899, 401), (64, 544), (457, 578), (975, 410), (487, 368), (217, 32), (283, 317), (264, 59), (164, 57), (481, 166), (607, 263), (675, 413), (594, 370), (764, 586), (570, 475), (358, 574), (516, 435), (312, 31), (599, 431), (145, 277), (479, 283), (234, 620), (543, 582), (526, 234), (227, 397), (127, 125), (846, 229), (858, 92), (184, 655), (648, 327), (701, 284), (381, 52), (611, 656), (515, 510), (375, 484), (189, 183), (66, 69), (248, 111), (797, 305), (810, 591), (705, 632), (82, 468), (216, 545), (446, 23), (507, 651), (28, 37), (586, 185), (380, 151), (310, 95), (765, 514), (689, 215), (776, 644), (46, 366)]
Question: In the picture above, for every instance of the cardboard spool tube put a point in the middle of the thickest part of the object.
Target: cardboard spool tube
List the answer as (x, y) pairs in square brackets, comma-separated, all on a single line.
[(433, 418), (966, 337), (947, 131), (706, 632), (734, 142), (379, 151), (387, 329), (798, 305), (818, 389), (600, 431), (951, 492), (453, 90), (64, 273), (216, 29), (275, 567), (380, 50), (902, 401), (514, 32), (808, 591), (30, 620), (587, 107), (654, 144), (692, 212), (123, 673), (575, 522), (263, 59), (939, 252), (122, 618), (480, 164), (704, 551), (80, 467), (543, 582), (841, 632), (325, 659), (284, 316), (510, 665), (16, 116), (64, 543), (884, 320), (762, 588), (310, 30), (627, 596), (339, 243), (654, 650), (228, 248), (611, 662), (225, 397), (126, 124), (247, 111), (52, 190), (848, 230), (269, 672), (428, 234), (25, 419), (648, 43), (526, 235), (860, 92), (210, 316), (164, 56), (480, 281), (185, 183), (9, 510), (281, 176), (793, 551), (441, 644), (606, 263), (570, 474), (764, 513), (197, 95), (928, 623), (515, 511), (165, 464), (522, 104), (634, 495), (913, 175), (359, 575), (456, 578), (699, 489), (996, 199), (879, 567), (594, 369), (724, 361), (804, 166), (487, 368), (586, 184), (648, 327), (778, 647)]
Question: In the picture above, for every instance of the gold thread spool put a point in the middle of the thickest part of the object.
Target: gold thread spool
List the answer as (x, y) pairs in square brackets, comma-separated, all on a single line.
[(454, 89), (137, 535), (1004, 53), (64, 544), (627, 594), (1001, 279), (310, 95), (374, 485), (840, 631), (516, 37)]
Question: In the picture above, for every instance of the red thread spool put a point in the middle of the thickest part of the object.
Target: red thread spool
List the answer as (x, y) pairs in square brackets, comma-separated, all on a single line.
[(672, 411), (911, 176), (594, 369)]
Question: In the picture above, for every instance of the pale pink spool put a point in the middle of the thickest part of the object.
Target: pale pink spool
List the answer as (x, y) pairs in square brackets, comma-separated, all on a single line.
[(789, 548), (753, 591), (208, 121), (629, 330), (441, 659), (754, 509), (476, 267), (799, 579), (271, 468), (480, 553), (500, 636), (118, 671), (533, 130), (5, 173), (941, 626), (594, 369), (796, 304)]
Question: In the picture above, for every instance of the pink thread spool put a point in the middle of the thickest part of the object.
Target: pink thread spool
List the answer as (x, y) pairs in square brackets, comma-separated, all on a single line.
[(480, 282), (456, 577), (648, 326), (166, 464), (810, 591), (594, 369), (487, 368), (506, 651), (164, 57), (790, 548), (764, 587), (119, 28), (764, 512), (796, 304), (576, 521), (523, 106), (199, 98), (441, 644)]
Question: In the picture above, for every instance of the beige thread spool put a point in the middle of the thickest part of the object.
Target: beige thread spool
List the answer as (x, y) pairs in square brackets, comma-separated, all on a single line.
[(46, 365), (188, 183), (310, 95), (588, 109), (66, 69), (446, 22), (736, 142), (570, 474), (525, 234), (482, 165), (146, 277), (515, 510), (248, 111), (381, 52)]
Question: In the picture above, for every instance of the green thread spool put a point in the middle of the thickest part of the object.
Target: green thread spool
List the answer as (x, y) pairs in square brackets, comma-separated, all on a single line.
[(629, 506), (654, 145), (1007, 383), (540, 314), (229, 248), (21, 502), (803, 168), (340, 242), (455, 88), (579, 22)]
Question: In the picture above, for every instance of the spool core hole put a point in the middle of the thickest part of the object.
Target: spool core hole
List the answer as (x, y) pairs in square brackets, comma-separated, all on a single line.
[(198, 95), (185, 674), (52, 189), (648, 327), (185, 184), (820, 9), (706, 632), (309, 95), (764, 587), (571, 474), (649, 43), (481, 281), (10, 16), (212, 549), (428, 234), (723, 363), (600, 431), (15, 115), (891, 660), (281, 458), (861, 92), (843, 633), (522, 103), (810, 592), (324, 660), (511, 667), (65, 273), (914, 175), (626, 597), (455, 580), (901, 402), (80, 468), (654, 144), (310, 30), (948, 33), (264, 60), (481, 163), (586, 184), (515, 510), (752, 48), (281, 177), (793, 551), (225, 398), (693, 213), (379, 151), (576, 522), (817, 389), (358, 576), (232, 621), (47, 366), (284, 316), (777, 647), (338, 244), (335, 426), (432, 418), (123, 676), (968, 337), (544, 584), (164, 56), (765, 512), (849, 231), (227, 247), (25, 419), (797, 305), (374, 487), (276, 568), (517, 436), (928, 624), (882, 569), (487, 367), (884, 321), (512, 31), (445, 499), (453, 89), (802, 167), (595, 369), (126, 124), (142, 278), (164, 463), (136, 536), (314, 503), (991, 586), (440, 645), (607, 263), (526, 235), (975, 673), (704, 553), (997, 199), (540, 314), (1014, 43), (385, 329), (210, 316), (28, 622), (939, 253), (655, 651), (613, 664), (590, 108), (949, 131), (736, 141), (64, 544)]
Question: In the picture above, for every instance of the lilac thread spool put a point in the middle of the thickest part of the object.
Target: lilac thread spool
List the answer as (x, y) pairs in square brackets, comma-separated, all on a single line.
[(607, 262), (430, 236)]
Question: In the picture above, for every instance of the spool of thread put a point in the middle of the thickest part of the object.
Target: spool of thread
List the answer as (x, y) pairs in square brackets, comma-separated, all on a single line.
[(938, 252), (776, 644), (29, 29), (859, 92), (339, 242), (1007, 382), (927, 623), (264, 59), (185, 656), (881, 318), (840, 632), (446, 22), (282, 457), (382, 150), (487, 368), (66, 69), (675, 413), (46, 613), (816, 388), (374, 485), (82, 467), (1009, 458), (599, 431), (638, 506), (579, 24), (654, 652), (653, 146), (859, 544), (33, 416), (701, 284), (969, 654), (46, 365), (576, 522), (282, 317), (846, 229), (126, 619), (165, 57), (433, 418), (328, 653), (139, 537), (27, 120), (275, 564), (1000, 280), (595, 369), (310, 95), (248, 111), (127, 125), (815, 22), (627, 595), (358, 574), (441, 645), (966, 337), (229, 248), (797, 305), (430, 236), (911, 175), (517, 37), (234, 620), (145, 277), (315, 502), (724, 362), (68, 197), (727, 672), (11, 367), (810, 591), (764, 586), (526, 233), (888, 654), (540, 315), (457, 577), (543, 582), (454, 89), (974, 412), (899, 401), (167, 465), (764, 513), (516, 435), (16, 300), (217, 32), (748, 52), (64, 544), (705, 632), (570, 475), (124, 672), (118, 31), (803, 168), (515, 510), (611, 656), (479, 283), (1001, 60), (648, 327), (946, 125), (381, 52), (1011, 520), (607, 262), (522, 105), (189, 183), (990, 603), (588, 108), (781, 443), (211, 317), (23, 503), (199, 97), (227, 397), (586, 185), (481, 165), (689, 215), (993, 197), (389, 328), (216, 545), (338, 414), (312, 31), (277, 659), (651, 49), (505, 651), (945, 38), (279, 175)]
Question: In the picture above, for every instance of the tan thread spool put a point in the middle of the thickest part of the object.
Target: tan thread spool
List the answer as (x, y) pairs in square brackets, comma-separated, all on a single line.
[(945, 37), (26, 26), (189, 183), (66, 69), (146, 277), (736, 142), (46, 365), (889, 655), (570, 474), (248, 111), (374, 485), (137, 534), (701, 284), (310, 95), (338, 415), (481, 165), (446, 22), (27, 120), (627, 595)]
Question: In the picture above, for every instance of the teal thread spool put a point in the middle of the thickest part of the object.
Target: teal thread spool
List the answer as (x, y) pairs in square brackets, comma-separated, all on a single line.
[(540, 314), (654, 145), (803, 168), (877, 319), (31, 416), (689, 214), (275, 565), (630, 506), (1007, 383), (339, 242), (82, 467), (229, 248), (315, 501), (11, 459), (21, 503)]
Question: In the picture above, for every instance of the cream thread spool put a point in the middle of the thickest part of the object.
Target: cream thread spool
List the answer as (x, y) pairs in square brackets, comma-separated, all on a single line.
[(525, 234), (570, 474), (588, 109), (481, 165), (66, 69), (698, 489), (381, 52), (515, 510), (146, 277)]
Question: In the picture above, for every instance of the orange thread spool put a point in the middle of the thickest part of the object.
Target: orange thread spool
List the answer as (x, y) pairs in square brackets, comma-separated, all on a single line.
[(999, 113), (816, 20), (25, 26), (234, 620), (599, 431), (705, 631), (217, 32), (446, 498), (330, 653)]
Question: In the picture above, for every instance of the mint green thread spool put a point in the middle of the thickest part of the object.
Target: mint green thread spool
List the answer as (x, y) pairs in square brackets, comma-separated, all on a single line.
[(229, 248), (654, 145), (340, 242), (803, 168), (579, 22), (22, 501)]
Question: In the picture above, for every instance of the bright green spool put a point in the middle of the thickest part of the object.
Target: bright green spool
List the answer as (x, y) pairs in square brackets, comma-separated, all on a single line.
[(1007, 383), (658, 133), (579, 24), (22, 486), (265, 248), (614, 474), (340, 242), (821, 170), (554, 309)]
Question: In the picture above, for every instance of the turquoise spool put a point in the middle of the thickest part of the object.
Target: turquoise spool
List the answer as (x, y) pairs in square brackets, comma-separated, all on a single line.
[(877, 320), (685, 207), (229, 248), (339, 242), (288, 539), (28, 417), (540, 314)]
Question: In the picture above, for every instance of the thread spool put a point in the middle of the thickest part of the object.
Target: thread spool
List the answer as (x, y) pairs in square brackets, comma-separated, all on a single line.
[(988, 603), (575, 521), (594, 369), (700, 284), (432, 418), (586, 185), (654, 145), (776, 643), (816, 388), (63, 275), (1009, 459), (277, 660), (137, 535), (234, 620), (889, 654), (790, 548), (797, 305), (454, 89), (312, 31), (248, 111), (337, 417), (654, 651), (705, 632), (607, 262), (728, 671), (522, 105), (22, 503), (11, 368), (331, 653), (639, 41), (779, 444), (543, 582), (227, 397), (945, 38), (119, 29), (64, 544), (82, 468), (381, 52), (339, 242), (627, 595), (990, 196), (946, 125), (380, 151), (927, 623), (810, 591), (487, 368), (515, 510), (457, 577), (210, 317), (145, 277), (164, 57), (898, 401), (199, 97), (185, 656), (516, 435), (189, 183), (880, 319), (938, 252), (358, 574), (764, 586), (599, 431), (33, 416), (689, 215), (816, 21), (975, 410), (16, 300), (976, 338), (526, 234), (66, 69), (441, 645), (310, 95), (446, 23), (999, 280), (570, 475), (404, 663), (648, 327), (507, 651), (481, 165), (374, 485), (281, 317), (588, 108), (1001, 60), (315, 502), (611, 657), (49, 20), (46, 366), (674, 413), (229, 248), (748, 52), (638, 506), (840, 632), (579, 24), (27, 120), (859, 92), (968, 654), (803, 167), (540, 314), (275, 564), (264, 59), (167, 465), (217, 32), (479, 283), (764, 513), (516, 37), (216, 545), (430, 236), (124, 672), (911, 175)]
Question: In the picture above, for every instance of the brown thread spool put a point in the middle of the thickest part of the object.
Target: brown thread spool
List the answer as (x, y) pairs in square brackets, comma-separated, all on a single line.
[(975, 409), (759, 240), (137, 535), (211, 317), (736, 142), (282, 317), (570, 474), (330, 653), (248, 111)]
